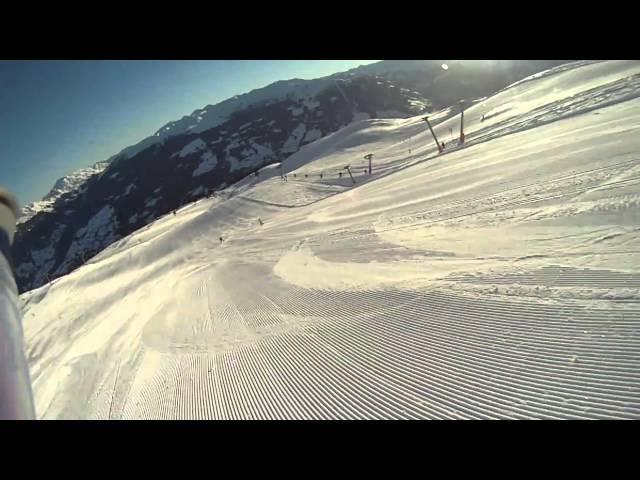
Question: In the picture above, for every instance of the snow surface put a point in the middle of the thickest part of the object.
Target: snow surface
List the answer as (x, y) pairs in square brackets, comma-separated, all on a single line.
[(208, 162), (295, 111), (152, 202), (197, 191), (233, 162), (191, 147), (42, 256), (359, 116), (498, 280), (293, 142), (100, 229), (312, 135)]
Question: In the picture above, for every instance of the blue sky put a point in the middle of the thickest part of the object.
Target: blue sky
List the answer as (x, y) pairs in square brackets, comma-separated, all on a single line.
[(58, 116)]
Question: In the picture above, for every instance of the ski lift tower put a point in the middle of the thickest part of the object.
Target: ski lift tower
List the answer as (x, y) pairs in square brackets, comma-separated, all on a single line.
[(426, 119), (461, 141), (349, 170), (369, 156)]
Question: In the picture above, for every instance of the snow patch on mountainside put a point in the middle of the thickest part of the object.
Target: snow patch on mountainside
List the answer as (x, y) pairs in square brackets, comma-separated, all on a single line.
[(152, 202), (62, 186), (208, 163), (293, 142), (191, 147), (234, 163), (43, 257), (98, 230), (361, 116), (312, 135), (295, 111), (197, 191)]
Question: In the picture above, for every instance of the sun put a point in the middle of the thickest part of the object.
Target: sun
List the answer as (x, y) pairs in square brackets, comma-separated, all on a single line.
[(445, 66)]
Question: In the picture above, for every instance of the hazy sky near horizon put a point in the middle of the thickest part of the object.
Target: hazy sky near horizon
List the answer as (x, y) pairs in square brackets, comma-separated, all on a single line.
[(58, 116)]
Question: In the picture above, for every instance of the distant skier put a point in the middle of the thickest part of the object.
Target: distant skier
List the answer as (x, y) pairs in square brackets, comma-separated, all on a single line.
[(443, 145), (220, 239), (16, 397), (174, 212), (482, 119), (260, 221)]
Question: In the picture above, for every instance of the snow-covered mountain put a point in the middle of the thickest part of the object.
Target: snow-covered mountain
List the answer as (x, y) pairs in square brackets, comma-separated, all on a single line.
[(499, 280), (467, 79), (67, 184), (218, 145)]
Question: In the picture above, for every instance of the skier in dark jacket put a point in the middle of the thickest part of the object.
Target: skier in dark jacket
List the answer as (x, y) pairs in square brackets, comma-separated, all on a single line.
[(16, 398)]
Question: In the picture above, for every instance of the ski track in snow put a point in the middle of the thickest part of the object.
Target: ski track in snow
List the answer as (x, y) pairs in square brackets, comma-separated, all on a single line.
[(497, 281)]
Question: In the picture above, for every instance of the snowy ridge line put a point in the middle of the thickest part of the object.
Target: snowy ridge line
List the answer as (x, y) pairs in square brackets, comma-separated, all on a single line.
[(552, 71), (535, 118)]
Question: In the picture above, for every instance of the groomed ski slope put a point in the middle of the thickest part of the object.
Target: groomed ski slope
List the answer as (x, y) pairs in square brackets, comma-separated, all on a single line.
[(499, 280)]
